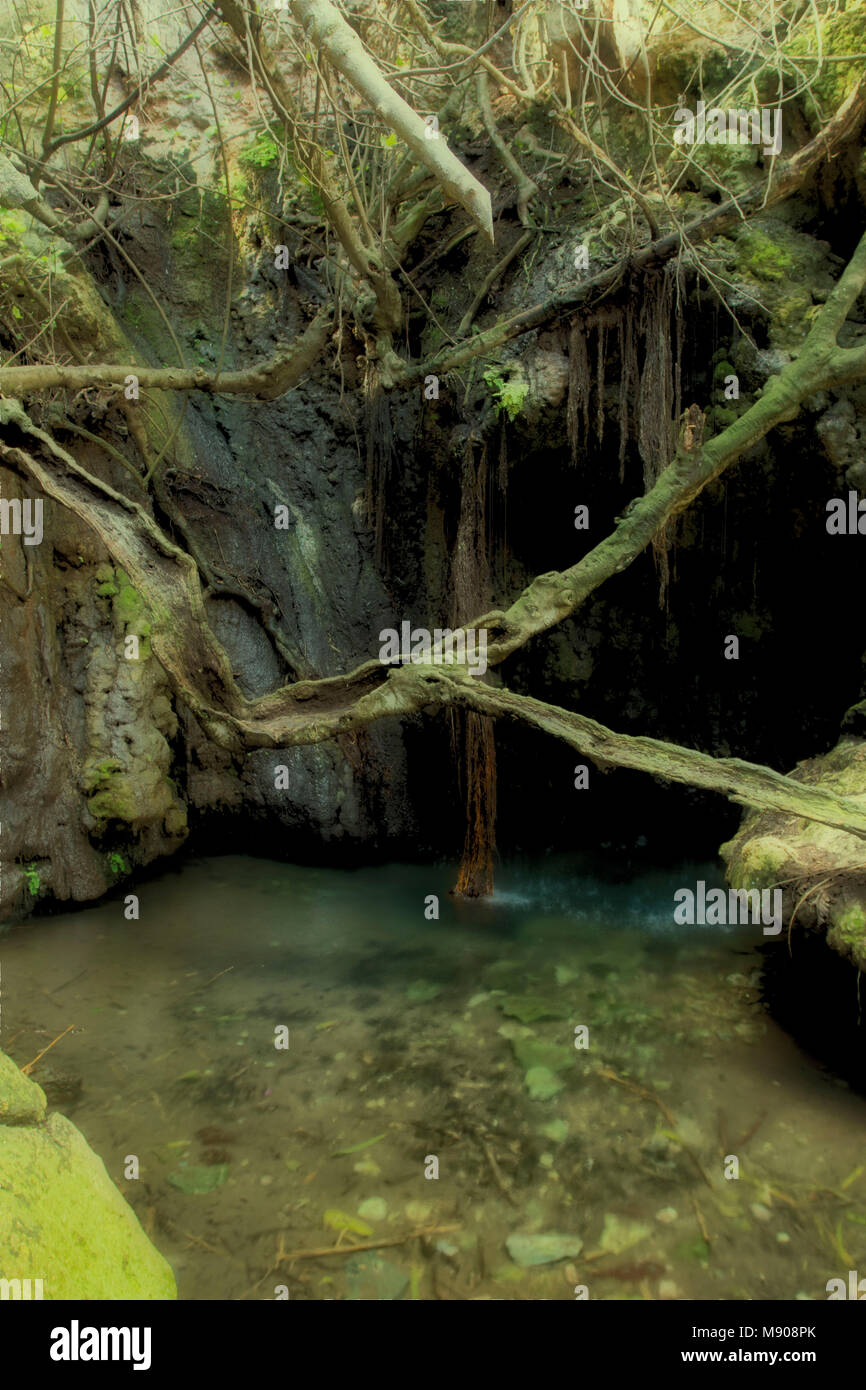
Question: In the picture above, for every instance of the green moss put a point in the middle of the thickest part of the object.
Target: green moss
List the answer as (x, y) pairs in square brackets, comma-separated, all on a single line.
[(120, 801), (841, 34), (851, 925), (117, 864), (112, 795), (107, 590), (97, 775), (130, 609), (760, 862), (763, 258), (12, 225), (63, 1221)]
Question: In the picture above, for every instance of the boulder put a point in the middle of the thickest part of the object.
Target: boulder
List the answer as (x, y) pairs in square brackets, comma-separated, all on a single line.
[(62, 1220)]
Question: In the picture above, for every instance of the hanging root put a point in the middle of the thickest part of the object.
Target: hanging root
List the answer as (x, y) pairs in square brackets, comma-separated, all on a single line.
[(472, 733), (475, 879)]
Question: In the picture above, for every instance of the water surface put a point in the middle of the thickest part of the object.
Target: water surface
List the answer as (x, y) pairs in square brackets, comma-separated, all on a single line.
[(425, 1036)]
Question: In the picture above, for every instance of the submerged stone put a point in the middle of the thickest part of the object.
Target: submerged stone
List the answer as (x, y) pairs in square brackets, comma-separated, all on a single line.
[(555, 1130), (535, 1052), (619, 1234), (545, 1249), (369, 1278), (529, 1008), (199, 1177), (373, 1209), (542, 1083), (422, 991)]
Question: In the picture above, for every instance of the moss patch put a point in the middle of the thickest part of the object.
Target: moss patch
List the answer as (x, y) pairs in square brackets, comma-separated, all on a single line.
[(63, 1221)]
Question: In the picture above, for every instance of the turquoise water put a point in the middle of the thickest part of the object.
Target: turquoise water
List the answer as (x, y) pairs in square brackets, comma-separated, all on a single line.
[(445, 1042)]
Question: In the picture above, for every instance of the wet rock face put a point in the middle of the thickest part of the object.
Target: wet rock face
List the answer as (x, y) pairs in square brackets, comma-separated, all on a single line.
[(87, 752)]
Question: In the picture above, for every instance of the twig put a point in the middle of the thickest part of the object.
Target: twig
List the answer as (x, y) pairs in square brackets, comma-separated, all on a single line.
[(701, 1223), (197, 1240), (641, 1091), (749, 1132), (645, 1094), (70, 981), (30, 1065), (495, 1170), (217, 976), (325, 1250)]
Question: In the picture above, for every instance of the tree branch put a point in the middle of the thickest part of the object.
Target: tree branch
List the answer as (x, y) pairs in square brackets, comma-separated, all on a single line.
[(265, 381), (343, 49), (787, 178), (820, 365), (748, 784)]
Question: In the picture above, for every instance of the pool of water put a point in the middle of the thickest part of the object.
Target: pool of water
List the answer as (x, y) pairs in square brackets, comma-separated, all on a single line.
[(432, 1095)]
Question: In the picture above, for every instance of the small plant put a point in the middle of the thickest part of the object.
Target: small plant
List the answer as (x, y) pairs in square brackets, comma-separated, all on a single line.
[(31, 879), (117, 864), (262, 154), (509, 395)]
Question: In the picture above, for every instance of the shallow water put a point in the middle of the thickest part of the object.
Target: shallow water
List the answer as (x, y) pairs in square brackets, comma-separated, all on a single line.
[(418, 1036)]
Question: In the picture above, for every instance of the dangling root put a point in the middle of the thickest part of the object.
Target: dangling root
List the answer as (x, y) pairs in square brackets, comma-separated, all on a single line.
[(475, 879)]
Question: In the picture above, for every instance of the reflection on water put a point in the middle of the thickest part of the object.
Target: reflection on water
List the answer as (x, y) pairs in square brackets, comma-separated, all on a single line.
[(412, 1040)]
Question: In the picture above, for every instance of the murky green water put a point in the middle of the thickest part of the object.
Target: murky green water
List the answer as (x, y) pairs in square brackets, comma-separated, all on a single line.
[(421, 1040)]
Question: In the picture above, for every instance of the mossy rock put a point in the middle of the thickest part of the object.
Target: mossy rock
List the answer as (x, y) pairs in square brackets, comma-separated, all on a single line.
[(63, 1221), (762, 255), (22, 1102)]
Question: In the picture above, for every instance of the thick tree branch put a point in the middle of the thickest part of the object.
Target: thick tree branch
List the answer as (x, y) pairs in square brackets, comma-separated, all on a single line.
[(264, 381), (746, 783), (337, 42)]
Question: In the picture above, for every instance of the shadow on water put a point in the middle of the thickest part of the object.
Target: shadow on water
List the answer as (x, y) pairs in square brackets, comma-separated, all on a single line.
[(562, 1061)]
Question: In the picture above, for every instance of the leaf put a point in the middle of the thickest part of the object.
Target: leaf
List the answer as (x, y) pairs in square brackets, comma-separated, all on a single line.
[(356, 1148), (341, 1221)]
